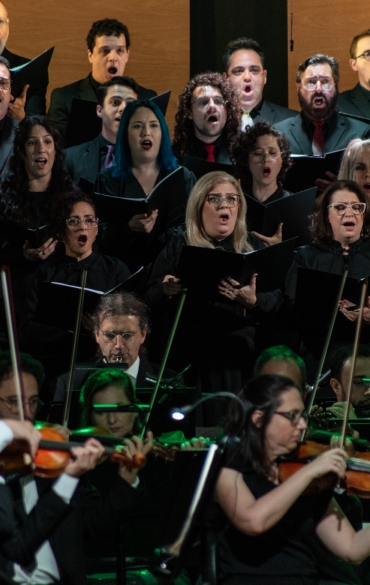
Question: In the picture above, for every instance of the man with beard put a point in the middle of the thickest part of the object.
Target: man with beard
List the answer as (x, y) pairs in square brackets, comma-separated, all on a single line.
[(244, 66), (341, 362), (207, 119), (357, 100), (319, 128)]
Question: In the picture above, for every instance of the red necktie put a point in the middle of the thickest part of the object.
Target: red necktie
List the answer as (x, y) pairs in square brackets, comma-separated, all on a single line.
[(318, 139), (210, 152)]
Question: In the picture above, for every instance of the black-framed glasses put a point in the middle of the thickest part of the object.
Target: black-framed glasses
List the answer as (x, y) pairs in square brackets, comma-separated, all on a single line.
[(112, 336), (89, 222), (341, 208), (216, 200), (365, 55), (294, 416), (203, 102), (34, 404)]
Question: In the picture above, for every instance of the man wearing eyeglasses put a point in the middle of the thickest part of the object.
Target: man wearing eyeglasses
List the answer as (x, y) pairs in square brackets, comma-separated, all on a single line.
[(7, 125), (319, 128), (32, 100), (207, 119), (356, 101)]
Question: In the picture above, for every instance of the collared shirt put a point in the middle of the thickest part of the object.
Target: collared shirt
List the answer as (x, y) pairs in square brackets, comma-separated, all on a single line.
[(310, 128), (201, 151), (103, 144), (46, 570), (133, 370)]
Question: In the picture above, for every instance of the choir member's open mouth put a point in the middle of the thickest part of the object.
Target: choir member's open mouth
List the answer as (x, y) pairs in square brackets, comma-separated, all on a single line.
[(266, 172), (319, 100), (146, 144), (349, 224), (82, 239), (224, 217), (112, 70), (213, 118), (248, 88), (41, 162), (367, 186)]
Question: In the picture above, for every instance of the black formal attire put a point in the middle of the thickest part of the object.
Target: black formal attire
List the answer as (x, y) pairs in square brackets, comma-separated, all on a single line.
[(217, 337), (276, 195), (338, 130), (283, 554), (7, 128), (355, 101), (51, 344), (86, 161), (270, 112), (66, 526), (221, 151), (137, 249), (36, 96), (85, 89)]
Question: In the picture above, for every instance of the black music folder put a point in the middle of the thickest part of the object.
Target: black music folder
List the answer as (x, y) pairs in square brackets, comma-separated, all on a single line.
[(201, 167), (294, 211), (57, 303), (84, 125), (169, 191), (306, 169), (317, 291), (201, 269), (33, 73)]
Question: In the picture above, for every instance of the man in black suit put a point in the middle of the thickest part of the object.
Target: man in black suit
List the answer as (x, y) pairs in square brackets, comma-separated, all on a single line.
[(87, 160), (319, 128), (47, 522), (108, 43), (244, 66), (207, 119), (7, 125), (32, 100), (357, 100)]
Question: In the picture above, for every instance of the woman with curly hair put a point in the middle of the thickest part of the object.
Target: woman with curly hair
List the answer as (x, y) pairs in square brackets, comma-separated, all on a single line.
[(36, 175), (262, 159), (208, 114), (143, 158)]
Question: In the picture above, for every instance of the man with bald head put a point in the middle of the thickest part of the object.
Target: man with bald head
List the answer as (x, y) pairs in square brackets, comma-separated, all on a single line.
[(32, 100)]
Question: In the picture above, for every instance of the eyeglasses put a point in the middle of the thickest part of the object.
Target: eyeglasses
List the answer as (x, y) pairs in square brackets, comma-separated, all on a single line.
[(294, 416), (365, 55), (203, 102), (4, 22), (258, 155), (311, 84), (112, 336), (34, 404), (4, 83), (89, 222), (217, 200), (341, 208)]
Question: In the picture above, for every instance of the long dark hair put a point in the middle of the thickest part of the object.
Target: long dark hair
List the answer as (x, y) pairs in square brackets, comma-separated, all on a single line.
[(15, 201), (262, 393)]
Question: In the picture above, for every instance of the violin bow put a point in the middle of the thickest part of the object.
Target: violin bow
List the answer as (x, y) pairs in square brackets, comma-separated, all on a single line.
[(76, 335), (12, 335), (164, 359), (327, 343), (356, 343)]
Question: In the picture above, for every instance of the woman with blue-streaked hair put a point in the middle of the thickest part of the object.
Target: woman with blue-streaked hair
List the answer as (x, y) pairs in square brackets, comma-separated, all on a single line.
[(143, 158)]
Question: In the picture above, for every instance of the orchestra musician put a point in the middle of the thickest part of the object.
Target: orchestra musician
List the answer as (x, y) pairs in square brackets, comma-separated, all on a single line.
[(273, 523)]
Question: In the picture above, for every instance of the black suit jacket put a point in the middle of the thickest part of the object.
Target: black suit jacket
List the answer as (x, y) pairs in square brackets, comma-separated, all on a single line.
[(87, 518), (340, 132), (273, 113), (61, 100), (83, 161), (6, 142), (36, 97), (354, 102)]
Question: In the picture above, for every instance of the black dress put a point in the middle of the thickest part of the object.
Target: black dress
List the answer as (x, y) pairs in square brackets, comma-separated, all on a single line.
[(216, 337), (139, 249)]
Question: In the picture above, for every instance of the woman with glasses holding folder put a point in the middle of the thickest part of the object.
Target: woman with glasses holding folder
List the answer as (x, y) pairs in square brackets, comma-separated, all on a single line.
[(216, 335)]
